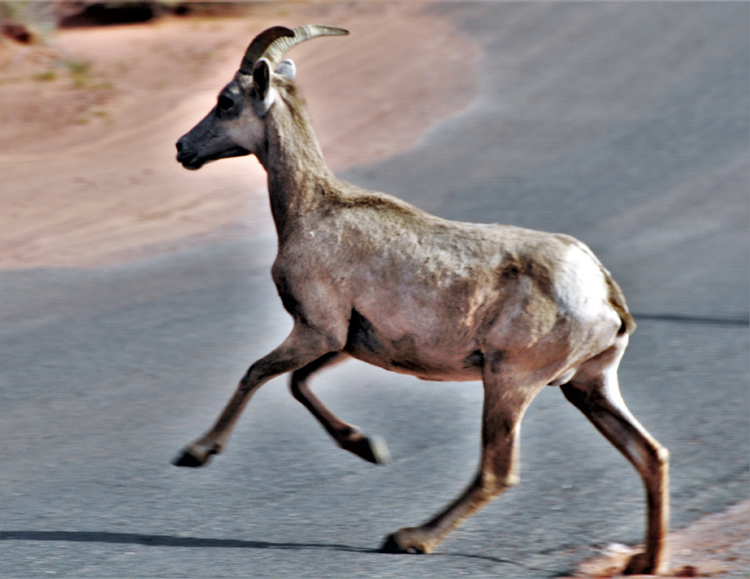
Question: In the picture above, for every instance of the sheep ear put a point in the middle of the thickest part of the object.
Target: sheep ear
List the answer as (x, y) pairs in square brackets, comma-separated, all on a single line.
[(286, 69), (262, 78), (265, 93)]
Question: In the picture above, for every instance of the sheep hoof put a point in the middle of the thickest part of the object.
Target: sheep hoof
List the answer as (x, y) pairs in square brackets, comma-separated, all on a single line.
[(404, 541), (641, 564), (375, 450), (194, 456)]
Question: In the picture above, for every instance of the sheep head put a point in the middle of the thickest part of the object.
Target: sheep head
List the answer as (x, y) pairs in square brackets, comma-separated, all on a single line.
[(236, 125)]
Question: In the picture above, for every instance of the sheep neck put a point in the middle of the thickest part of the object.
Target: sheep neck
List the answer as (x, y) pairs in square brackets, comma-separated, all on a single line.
[(298, 177)]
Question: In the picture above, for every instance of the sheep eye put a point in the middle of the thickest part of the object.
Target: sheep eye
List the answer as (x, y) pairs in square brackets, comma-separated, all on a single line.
[(225, 103)]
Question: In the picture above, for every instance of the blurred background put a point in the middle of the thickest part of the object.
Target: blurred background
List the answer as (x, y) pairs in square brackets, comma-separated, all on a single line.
[(134, 294)]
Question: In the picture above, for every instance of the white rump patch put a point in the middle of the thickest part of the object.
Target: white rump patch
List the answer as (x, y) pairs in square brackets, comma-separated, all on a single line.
[(580, 286)]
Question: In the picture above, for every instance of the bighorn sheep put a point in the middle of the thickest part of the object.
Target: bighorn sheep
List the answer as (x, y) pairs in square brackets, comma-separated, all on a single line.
[(366, 275)]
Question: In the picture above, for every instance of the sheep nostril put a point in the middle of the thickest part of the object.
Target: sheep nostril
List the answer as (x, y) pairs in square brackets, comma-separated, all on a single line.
[(179, 146)]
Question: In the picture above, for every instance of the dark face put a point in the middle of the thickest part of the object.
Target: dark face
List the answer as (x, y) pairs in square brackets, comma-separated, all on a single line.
[(230, 129)]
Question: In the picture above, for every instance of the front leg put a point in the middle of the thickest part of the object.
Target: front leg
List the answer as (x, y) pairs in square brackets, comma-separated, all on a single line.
[(347, 436), (301, 347)]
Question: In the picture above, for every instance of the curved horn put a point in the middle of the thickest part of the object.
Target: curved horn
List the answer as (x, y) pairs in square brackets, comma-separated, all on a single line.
[(281, 45), (259, 45)]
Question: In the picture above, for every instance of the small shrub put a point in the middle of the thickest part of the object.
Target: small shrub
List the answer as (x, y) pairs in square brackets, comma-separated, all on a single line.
[(45, 76), (79, 72)]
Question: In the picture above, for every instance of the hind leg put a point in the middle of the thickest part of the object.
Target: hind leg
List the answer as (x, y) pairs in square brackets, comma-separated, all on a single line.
[(348, 437), (595, 391), (506, 397)]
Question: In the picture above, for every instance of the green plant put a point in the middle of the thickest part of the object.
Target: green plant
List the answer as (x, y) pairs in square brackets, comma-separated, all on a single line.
[(46, 76), (79, 71)]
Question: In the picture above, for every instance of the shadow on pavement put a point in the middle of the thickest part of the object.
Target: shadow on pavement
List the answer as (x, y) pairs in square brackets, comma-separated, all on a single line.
[(164, 540), (201, 542)]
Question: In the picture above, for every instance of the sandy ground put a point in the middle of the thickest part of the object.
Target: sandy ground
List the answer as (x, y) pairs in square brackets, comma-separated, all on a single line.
[(88, 122), (717, 545)]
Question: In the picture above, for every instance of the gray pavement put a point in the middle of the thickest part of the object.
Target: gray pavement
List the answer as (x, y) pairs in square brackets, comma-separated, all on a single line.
[(625, 125)]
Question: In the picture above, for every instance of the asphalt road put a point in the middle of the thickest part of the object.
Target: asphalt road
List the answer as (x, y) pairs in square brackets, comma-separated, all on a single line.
[(625, 125)]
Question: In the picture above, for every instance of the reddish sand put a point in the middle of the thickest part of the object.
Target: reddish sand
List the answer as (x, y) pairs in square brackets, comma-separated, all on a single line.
[(716, 545), (88, 124)]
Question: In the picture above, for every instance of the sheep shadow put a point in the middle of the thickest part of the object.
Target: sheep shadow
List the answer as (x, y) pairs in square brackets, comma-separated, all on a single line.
[(203, 542), (166, 541)]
